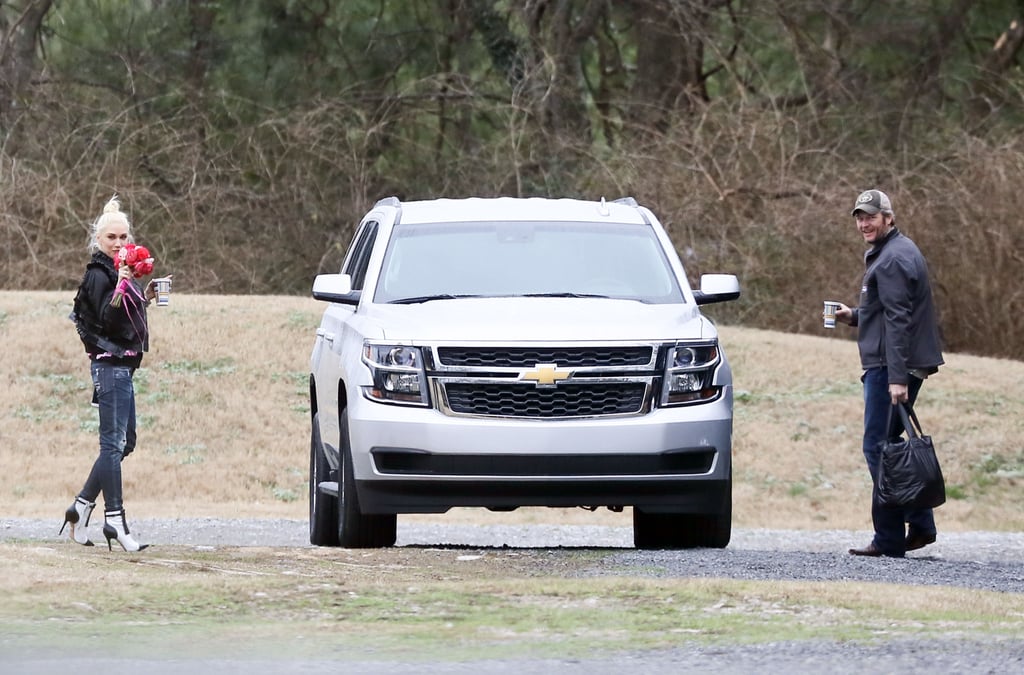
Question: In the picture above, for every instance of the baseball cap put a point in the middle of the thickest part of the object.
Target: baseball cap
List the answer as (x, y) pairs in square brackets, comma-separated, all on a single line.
[(871, 202)]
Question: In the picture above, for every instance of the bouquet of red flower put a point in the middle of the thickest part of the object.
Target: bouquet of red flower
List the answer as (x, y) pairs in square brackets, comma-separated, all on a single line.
[(138, 259)]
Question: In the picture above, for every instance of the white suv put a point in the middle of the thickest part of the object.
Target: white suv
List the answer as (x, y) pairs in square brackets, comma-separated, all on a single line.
[(518, 352)]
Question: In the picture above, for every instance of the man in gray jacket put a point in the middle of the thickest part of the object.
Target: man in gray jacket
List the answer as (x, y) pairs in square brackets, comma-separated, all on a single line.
[(898, 339)]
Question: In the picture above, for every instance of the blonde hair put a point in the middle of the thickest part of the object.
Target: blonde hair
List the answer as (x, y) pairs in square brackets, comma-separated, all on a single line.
[(111, 214)]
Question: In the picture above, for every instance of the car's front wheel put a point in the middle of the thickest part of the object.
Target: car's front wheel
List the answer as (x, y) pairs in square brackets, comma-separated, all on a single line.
[(356, 529), (323, 508), (684, 530)]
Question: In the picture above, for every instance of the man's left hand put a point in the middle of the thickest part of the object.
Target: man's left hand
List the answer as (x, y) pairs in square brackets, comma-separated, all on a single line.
[(899, 393)]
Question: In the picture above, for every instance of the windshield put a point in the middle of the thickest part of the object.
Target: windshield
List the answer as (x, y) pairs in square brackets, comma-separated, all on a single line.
[(495, 259)]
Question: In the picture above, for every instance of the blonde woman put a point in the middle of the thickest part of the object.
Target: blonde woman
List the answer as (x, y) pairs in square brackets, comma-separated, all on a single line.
[(115, 336)]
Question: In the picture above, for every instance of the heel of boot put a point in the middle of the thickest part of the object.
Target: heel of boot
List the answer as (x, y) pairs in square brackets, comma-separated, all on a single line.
[(77, 516), (110, 534), (70, 517), (116, 527)]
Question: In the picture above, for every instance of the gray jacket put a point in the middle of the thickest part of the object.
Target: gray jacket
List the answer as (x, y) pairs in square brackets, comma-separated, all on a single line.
[(896, 320)]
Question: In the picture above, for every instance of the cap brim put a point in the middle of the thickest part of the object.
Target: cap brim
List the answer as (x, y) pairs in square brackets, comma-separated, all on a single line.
[(866, 208)]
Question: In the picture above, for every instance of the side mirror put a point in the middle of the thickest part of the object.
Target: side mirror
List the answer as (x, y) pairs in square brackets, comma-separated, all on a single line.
[(717, 288), (335, 288)]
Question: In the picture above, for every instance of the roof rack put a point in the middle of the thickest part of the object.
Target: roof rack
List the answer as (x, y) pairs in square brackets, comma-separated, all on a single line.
[(389, 201)]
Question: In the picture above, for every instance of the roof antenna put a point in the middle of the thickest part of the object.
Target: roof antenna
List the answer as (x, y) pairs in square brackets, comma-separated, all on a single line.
[(603, 208)]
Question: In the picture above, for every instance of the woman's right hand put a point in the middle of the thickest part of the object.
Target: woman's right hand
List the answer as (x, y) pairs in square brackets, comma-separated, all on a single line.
[(124, 272)]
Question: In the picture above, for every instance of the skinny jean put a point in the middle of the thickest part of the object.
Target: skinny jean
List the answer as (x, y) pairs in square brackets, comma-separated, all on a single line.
[(882, 422), (115, 395)]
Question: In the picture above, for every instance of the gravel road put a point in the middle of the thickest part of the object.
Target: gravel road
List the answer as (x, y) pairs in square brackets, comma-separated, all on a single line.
[(983, 560)]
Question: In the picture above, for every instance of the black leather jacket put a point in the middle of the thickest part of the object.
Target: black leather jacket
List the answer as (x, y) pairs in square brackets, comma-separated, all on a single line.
[(102, 327), (896, 319)]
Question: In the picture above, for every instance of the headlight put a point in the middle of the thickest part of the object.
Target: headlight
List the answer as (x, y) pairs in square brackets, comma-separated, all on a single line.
[(398, 375), (689, 374)]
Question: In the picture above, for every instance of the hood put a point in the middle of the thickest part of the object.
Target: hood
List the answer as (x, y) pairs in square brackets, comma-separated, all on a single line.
[(536, 320)]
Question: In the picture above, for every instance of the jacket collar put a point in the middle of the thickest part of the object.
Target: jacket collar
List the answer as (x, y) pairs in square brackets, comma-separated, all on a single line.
[(877, 247), (101, 258)]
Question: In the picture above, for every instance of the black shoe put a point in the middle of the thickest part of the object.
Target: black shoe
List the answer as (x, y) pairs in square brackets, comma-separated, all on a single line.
[(870, 550), (873, 551), (916, 540)]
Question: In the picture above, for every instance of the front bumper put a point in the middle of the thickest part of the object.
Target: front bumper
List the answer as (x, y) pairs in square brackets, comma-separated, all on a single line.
[(408, 460)]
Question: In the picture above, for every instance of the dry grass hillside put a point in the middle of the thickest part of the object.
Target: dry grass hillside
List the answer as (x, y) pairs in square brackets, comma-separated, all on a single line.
[(224, 425)]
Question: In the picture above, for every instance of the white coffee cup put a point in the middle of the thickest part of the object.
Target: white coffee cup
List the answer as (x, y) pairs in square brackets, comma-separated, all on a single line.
[(163, 291), (831, 307)]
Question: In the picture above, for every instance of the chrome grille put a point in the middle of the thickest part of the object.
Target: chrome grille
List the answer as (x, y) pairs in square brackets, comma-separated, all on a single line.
[(593, 380)]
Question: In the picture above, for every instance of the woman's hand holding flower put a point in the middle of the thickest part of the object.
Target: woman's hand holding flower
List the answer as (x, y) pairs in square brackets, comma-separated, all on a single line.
[(131, 261)]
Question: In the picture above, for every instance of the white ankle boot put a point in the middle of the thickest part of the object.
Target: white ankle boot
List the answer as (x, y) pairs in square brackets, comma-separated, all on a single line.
[(77, 516), (116, 527)]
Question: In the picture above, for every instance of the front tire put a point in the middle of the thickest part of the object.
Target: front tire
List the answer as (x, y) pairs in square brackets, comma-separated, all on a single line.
[(356, 529), (323, 509), (684, 530)]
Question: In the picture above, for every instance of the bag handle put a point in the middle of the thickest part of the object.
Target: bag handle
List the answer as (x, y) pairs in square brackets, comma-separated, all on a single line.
[(907, 414)]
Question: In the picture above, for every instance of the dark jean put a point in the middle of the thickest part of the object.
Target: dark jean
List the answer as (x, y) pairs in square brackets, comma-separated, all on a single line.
[(882, 422), (115, 394)]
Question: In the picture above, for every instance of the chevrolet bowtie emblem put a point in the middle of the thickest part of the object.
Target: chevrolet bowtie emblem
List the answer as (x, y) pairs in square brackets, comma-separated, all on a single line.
[(546, 374)]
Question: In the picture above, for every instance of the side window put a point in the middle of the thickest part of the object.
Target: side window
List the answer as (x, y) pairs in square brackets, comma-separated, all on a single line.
[(359, 258), (357, 244)]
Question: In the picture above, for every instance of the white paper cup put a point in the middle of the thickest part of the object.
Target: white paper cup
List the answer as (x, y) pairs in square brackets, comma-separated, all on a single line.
[(831, 307), (163, 291)]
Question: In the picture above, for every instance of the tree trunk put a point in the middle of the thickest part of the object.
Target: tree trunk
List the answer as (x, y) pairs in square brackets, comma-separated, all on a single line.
[(935, 48), (19, 33), (558, 30), (669, 61), (201, 14)]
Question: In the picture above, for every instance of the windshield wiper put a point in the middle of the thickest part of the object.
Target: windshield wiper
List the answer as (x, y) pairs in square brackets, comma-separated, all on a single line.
[(564, 295), (427, 298)]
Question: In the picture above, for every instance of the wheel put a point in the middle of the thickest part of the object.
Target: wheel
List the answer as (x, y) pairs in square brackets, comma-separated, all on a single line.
[(355, 529), (323, 509), (684, 530)]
